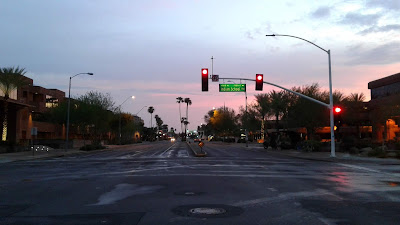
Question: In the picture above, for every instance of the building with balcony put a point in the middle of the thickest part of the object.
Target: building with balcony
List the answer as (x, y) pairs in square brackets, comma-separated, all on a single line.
[(26, 104)]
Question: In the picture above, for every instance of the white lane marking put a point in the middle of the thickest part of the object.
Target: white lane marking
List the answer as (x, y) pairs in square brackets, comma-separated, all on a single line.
[(359, 167), (370, 170), (141, 170), (272, 189), (283, 197), (122, 191), (165, 150), (182, 153)]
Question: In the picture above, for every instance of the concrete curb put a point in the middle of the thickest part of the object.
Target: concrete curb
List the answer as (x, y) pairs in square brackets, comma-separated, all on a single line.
[(195, 153), (62, 154), (306, 158)]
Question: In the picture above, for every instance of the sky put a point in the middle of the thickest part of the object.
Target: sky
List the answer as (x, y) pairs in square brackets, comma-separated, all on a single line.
[(155, 49)]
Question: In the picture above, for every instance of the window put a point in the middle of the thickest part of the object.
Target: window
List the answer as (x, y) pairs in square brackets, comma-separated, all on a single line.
[(51, 102)]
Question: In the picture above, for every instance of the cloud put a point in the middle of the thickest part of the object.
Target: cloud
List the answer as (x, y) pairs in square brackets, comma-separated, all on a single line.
[(259, 31), (321, 12), (364, 55), (359, 19), (378, 29), (249, 35), (391, 5)]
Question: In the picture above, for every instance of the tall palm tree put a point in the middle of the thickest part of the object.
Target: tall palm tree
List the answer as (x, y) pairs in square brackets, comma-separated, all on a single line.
[(11, 78), (188, 102), (354, 108), (151, 110), (278, 105), (179, 100), (356, 97)]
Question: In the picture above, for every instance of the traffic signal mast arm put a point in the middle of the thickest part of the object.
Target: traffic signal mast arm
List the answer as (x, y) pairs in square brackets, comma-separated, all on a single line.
[(293, 92)]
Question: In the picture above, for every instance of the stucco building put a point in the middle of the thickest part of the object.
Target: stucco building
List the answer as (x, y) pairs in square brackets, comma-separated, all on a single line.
[(25, 105), (385, 107)]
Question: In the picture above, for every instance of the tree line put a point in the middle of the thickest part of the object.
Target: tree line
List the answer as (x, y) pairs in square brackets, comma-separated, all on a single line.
[(288, 110)]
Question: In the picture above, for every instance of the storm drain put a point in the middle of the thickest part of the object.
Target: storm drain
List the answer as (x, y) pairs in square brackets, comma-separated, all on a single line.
[(207, 211)]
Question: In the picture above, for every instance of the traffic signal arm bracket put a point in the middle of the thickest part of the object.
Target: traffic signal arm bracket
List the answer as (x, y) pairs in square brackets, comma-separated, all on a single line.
[(293, 92)]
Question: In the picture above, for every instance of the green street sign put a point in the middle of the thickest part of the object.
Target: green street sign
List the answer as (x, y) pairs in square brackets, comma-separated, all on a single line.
[(232, 87)]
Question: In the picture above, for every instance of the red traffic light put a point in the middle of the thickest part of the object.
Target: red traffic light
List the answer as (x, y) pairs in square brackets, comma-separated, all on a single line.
[(204, 79), (337, 109), (259, 82)]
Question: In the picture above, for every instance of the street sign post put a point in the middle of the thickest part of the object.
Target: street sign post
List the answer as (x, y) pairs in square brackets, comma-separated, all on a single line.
[(232, 87)]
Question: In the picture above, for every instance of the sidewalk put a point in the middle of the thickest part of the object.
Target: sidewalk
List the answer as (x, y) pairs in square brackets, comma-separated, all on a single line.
[(323, 156), (51, 153)]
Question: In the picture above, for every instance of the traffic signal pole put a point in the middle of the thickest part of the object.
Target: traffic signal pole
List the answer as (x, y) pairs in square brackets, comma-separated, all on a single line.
[(329, 106), (288, 90)]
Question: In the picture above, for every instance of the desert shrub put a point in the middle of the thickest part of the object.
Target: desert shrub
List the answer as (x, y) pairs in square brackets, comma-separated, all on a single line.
[(378, 152), (311, 145)]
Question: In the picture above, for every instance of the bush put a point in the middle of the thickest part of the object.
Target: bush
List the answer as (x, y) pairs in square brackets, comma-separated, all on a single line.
[(92, 147), (348, 142), (310, 146), (286, 142), (7, 146), (397, 145), (378, 152)]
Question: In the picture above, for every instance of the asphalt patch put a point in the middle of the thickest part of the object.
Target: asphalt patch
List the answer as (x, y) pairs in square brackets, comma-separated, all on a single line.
[(207, 211), (76, 219), (7, 210)]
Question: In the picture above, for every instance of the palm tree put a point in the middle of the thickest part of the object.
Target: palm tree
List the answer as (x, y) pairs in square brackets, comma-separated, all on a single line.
[(354, 108), (278, 105), (263, 108), (11, 78), (188, 102), (179, 100), (151, 110), (356, 97)]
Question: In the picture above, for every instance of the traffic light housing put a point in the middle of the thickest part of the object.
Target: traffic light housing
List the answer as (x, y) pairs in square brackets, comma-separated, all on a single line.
[(259, 82), (204, 79), (337, 111)]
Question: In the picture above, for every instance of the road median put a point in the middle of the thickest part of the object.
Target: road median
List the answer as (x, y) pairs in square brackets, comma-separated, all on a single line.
[(197, 150)]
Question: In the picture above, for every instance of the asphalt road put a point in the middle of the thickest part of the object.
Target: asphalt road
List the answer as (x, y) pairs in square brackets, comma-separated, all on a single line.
[(163, 183)]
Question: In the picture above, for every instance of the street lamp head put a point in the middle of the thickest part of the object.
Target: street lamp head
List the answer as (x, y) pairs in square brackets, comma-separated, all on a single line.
[(133, 97), (270, 35), (91, 74)]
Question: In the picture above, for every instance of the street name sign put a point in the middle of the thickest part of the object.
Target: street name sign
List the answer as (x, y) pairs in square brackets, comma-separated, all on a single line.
[(232, 87)]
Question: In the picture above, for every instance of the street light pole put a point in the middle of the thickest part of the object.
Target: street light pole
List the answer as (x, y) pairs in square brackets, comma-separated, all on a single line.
[(330, 88), (69, 105), (140, 110), (119, 107)]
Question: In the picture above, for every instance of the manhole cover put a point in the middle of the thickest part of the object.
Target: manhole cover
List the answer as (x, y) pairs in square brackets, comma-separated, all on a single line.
[(189, 193), (207, 211)]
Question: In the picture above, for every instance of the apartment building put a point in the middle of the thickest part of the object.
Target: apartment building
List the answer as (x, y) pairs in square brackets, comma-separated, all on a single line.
[(25, 105)]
